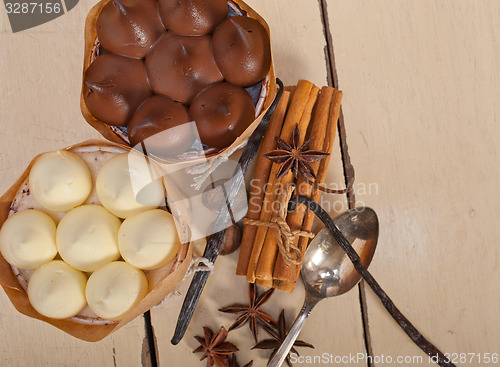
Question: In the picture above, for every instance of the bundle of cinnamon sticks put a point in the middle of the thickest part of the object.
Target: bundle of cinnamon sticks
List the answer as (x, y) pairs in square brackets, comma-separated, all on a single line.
[(316, 113)]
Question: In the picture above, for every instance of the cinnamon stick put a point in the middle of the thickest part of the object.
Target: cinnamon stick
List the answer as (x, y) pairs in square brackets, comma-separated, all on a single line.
[(267, 260), (323, 168), (297, 105), (285, 277), (263, 168), (319, 133)]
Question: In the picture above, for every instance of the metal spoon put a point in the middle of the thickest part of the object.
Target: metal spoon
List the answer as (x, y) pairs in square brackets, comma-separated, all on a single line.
[(327, 271), (357, 260)]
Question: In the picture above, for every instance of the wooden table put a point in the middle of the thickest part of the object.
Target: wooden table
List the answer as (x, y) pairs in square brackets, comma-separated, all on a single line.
[(421, 112)]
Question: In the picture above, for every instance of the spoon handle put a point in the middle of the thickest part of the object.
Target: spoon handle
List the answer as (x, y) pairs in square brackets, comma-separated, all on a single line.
[(280, 355), (430, 349)]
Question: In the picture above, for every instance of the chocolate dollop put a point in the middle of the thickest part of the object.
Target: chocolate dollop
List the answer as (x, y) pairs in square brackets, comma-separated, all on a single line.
[(242, 50), (192, 17), (129, 27), (181, 66), (114, 86), (161, 124), (222, 112)]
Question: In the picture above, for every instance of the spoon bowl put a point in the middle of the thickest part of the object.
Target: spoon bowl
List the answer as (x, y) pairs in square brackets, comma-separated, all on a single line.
[(327, 271)]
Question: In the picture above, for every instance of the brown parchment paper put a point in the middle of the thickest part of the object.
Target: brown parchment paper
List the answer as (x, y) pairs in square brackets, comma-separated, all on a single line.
[(162, 281), (107, 132)]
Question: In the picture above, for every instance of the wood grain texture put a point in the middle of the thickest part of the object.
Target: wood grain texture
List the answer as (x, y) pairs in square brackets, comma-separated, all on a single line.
[(40, 75), (421, 86)]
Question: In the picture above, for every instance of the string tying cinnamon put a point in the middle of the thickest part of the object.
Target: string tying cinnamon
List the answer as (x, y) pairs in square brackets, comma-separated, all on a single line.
[(291, 254)]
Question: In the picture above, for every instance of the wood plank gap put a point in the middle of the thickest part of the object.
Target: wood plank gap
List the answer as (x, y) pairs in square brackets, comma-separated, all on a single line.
[(149, 354), (349, 175), (332, 79)]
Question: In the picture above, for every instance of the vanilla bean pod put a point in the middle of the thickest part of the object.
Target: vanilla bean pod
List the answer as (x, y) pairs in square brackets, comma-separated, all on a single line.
[(214, 243), (320, 187), (429, 348)]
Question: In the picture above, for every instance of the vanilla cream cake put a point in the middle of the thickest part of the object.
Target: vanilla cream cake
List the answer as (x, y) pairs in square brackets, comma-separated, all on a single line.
[(86, 237)]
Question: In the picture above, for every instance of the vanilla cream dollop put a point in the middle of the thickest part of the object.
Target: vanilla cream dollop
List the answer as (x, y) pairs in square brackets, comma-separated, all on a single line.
[(87, 237), (60, 180), (115, 289), (28, 239), (57, 290), (127, 184), (148, 240)]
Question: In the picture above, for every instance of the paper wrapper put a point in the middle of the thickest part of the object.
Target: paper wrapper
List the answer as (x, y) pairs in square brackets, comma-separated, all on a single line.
[(162, 281), (268, 91)]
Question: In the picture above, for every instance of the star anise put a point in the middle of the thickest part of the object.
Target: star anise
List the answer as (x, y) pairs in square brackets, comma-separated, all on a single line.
[(295, 157), (278, 338), (233, 362), (252, 313), (214, 347)]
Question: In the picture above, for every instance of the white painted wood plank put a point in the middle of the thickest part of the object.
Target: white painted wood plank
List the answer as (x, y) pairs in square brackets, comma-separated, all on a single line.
[(40, 75), (421, 83)]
